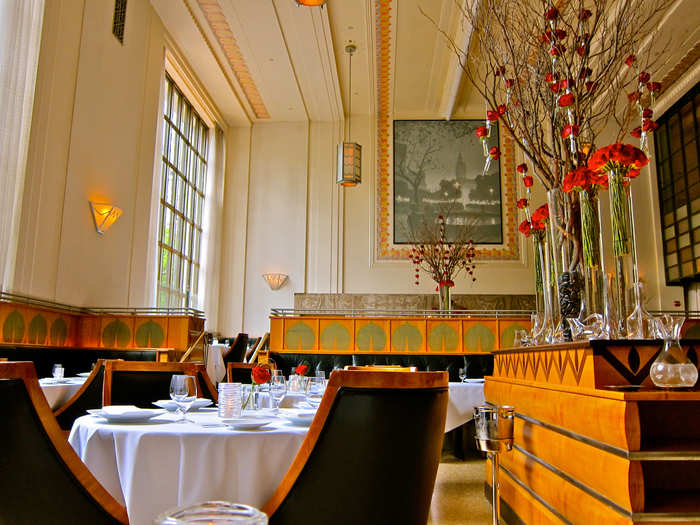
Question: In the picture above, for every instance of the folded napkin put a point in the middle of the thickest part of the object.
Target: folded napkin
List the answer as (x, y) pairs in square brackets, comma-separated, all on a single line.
[(117, 410)]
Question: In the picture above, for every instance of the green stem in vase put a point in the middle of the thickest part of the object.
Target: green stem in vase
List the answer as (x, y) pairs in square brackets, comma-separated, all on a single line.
[(590, 228), (619, 215), (539, 279)]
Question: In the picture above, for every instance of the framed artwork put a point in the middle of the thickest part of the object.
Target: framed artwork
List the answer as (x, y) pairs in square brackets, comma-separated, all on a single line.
[(439, 170)]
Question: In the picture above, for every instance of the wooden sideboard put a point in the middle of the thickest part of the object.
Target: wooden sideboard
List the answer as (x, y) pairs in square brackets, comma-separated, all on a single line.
[(589, 447)]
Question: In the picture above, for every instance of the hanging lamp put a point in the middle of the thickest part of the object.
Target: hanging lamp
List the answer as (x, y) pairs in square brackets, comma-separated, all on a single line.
[(349, 153)]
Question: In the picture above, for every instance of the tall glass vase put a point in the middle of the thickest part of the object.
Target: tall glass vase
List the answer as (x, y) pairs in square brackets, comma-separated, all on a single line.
[(445, 297), (564, 238), (623, 248), (543, 332), (593, 306)]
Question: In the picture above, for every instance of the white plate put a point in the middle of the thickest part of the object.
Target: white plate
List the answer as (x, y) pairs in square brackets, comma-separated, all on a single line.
[(298, 417), (474, 380), (132, 416), (54, 381), (171, 406), (83, 374), (246, 423)]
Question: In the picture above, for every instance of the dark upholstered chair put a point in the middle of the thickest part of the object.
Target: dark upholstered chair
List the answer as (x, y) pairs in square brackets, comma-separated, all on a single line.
[(42, 480), (371, 454), (141, 383), (236, 353), (239, 372), (88, 396)]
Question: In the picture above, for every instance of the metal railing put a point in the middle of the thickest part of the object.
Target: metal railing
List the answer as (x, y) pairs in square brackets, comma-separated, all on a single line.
[(382, 312)]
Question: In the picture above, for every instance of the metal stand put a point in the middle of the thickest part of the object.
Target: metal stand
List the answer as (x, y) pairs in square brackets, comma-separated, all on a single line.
[(494, 434)]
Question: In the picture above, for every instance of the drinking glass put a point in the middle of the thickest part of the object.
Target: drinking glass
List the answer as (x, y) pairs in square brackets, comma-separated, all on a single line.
[(278, 388), (57, 371), (214, 513), (315, 387), (462, 374), (183, 390)]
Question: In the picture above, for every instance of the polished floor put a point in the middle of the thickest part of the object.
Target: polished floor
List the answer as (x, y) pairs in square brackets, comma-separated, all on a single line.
[(458, 497)]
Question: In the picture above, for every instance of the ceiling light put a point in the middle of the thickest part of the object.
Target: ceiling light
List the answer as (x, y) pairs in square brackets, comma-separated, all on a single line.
[(349, 153)]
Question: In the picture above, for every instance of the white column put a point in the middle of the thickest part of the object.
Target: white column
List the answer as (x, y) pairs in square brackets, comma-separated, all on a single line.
[(20, 38)]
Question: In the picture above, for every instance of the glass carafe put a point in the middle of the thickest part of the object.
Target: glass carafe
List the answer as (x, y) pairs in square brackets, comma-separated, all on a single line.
[(672, 369)]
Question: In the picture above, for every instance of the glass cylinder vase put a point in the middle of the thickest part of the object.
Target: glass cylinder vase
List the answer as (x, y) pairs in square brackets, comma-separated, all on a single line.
[(564, 238), (593, 306), (543, 329), (445, 297), (623, 248)]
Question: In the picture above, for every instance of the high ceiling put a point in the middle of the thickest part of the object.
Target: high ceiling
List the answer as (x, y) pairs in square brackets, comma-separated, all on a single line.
[(282, 62)]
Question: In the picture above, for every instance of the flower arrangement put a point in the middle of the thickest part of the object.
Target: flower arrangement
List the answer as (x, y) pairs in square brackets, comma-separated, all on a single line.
[(259, 375), (302, 368)]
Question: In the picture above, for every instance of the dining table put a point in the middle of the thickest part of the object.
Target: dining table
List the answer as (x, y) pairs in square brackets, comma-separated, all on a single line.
[(58, 391), (162, 463), (464, 398)]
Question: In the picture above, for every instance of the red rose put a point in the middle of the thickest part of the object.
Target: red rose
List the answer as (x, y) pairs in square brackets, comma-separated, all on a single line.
[(581, 50), (654, 86), (585, 72), (540, 214), (509, 83), (569, 129), (482, 132), (524, 228), (495, 153), (551, 14), (501, 109), (492, 115), (637, 132), (521, 204), (538, 225), (630, 60), (567, 83), (560, 34), (566, 100), (555, 87), (649, 125), (550, 77), (648, 113), (260, 374), (522, 168), (585, 14), (644, 77), (528, 181), (301, 370), (557, 50)]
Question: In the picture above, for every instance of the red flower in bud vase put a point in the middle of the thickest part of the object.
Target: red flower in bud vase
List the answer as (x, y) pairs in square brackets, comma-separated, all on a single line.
[(557, 51), (654, 87), (524, 228), (566, 100), (585, 14), (637, 132), (555, 87), (500, 70), (302, 369), (482, 132), (522, 168), (551, 14), (509, 83), (630, 60), (567, 83), (581, 50), (560, 34), (546, 37), (492, 115), (260, 374), (590, 86), (585, 72), (522, 204), (528, 181), (648, 113), (569, 129), (495, 153), (649, 125), (634, 96), (644, 77), (502, 109), (550, 77)]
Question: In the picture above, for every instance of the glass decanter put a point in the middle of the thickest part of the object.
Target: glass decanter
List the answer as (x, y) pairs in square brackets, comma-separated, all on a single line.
[(672, 369)]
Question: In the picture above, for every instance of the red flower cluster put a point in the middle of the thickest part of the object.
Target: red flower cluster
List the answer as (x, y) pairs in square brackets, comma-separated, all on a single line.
[(619, 155), (492, 115), (528, 181), (260, 374), (540, 215), (583, 178), (302, 369), (521, 204), (566, 100), (482, 132), (528, 227), (630, 60), (522, 168), (570, 129), (495, 153), (447, 282)]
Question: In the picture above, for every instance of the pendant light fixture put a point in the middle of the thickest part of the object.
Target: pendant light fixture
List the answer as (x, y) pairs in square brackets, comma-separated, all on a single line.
[(311, 3), (349, 153)]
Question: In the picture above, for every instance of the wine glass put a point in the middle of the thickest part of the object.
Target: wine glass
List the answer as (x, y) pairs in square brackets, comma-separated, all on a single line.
[(57, 371), (315, 387), (462, 374), (278, 388), (183, 390)]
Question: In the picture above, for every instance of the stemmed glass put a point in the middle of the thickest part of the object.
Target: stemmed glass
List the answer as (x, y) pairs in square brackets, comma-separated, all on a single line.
[(183, 390), (462, 374), (315, 387), (278, 388)]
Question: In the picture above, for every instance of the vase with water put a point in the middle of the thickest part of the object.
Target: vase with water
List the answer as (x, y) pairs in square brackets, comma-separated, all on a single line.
[(672, 368)]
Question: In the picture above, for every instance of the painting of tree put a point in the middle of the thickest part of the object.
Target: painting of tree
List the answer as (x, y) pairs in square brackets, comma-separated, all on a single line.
[(439, 165)]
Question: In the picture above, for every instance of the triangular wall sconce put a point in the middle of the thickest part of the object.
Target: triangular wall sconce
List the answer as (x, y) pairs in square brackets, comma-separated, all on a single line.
[(104, 215)]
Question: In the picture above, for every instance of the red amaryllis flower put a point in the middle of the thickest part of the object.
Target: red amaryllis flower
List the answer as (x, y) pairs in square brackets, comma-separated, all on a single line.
[(567, 83), (581, 50), (525, 228), (560, 34), (555, 87), (654, 86), (630, 60), (509, 83), (260, 374), (482, 132), (301, 369), (538, 225), (528, 181), (649, 125), (550, 77), (644, 77), (546, 36), (541, 214), (492, 115), (590, 86), (647, 113), (500, 70), (566, 100), (585, 72), (522, 168), (618, 155), (495, 153), (557, 50), (521, 204), (502, 109), (637, 132), (634, 96), (447, 282), (569, 129), (585, 14), (551, 14)]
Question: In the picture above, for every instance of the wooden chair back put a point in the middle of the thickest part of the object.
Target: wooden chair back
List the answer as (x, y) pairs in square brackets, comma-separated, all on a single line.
[(43, 480), (371, 454), (141, 383), (88, 396), (237, 350), (239, 372)]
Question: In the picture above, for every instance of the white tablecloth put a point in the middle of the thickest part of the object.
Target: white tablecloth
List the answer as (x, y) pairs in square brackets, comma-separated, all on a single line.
[(58, 393), (464, 397), (156, 466), (215, 363)]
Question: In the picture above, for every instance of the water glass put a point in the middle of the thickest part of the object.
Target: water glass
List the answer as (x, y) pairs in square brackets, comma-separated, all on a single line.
[(214, 513), (315, 388), (462, 374), (183, 390), (229, 400), (278, 388), (58, 371)]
